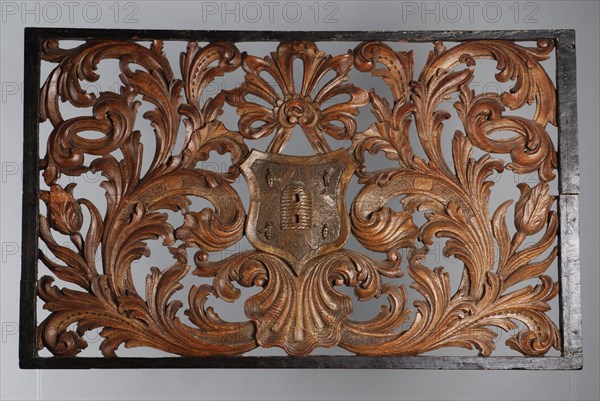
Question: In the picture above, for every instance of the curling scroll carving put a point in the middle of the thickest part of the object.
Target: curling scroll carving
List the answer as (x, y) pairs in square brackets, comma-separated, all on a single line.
[(298, 221)]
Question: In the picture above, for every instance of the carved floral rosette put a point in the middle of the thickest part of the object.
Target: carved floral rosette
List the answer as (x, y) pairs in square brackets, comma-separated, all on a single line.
[(299, 305)]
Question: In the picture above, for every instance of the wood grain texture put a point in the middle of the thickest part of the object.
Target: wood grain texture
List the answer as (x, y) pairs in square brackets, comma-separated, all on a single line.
[(300, 259)]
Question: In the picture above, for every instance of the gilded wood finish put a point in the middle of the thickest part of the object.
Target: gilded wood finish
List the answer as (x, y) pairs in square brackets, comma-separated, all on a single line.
[(298, 221)]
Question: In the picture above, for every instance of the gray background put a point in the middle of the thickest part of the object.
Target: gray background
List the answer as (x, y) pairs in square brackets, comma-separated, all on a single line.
[(297, 384)]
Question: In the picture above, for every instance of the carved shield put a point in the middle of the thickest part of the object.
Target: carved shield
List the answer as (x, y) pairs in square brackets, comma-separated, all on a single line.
[(297, 207)]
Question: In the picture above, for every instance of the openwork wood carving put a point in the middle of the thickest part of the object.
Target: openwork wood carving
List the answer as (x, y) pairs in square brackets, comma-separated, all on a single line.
[(298, 220)]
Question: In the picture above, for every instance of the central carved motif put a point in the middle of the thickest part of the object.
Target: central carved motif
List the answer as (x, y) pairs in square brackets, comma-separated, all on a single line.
[(297, 208), (296, 110)]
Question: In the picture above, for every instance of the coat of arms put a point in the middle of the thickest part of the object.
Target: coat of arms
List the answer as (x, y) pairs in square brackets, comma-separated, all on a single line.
[(297, 208)]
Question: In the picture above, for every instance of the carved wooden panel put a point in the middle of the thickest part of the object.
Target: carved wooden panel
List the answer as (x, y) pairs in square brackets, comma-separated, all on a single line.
[(298, 219)]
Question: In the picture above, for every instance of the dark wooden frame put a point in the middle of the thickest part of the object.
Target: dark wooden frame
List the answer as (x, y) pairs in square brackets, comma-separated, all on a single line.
[(570, 298)]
